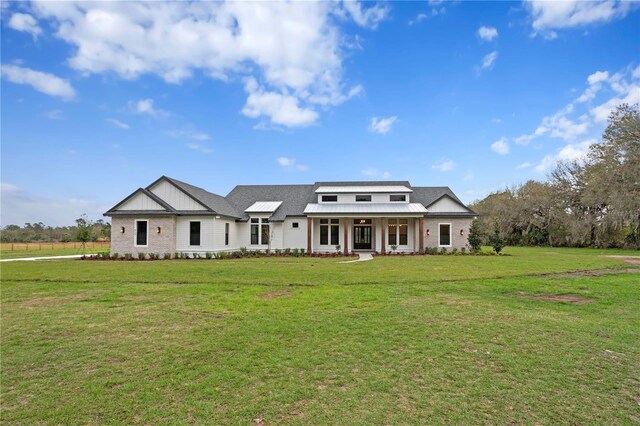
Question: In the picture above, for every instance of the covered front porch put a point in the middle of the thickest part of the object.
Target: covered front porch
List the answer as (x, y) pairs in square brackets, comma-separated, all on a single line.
[(371, 233)]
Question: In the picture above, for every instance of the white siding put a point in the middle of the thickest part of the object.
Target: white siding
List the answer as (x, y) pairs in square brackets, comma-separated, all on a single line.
[(175, 197), (448, 205), (218, 235), (141, 201), (351, 198), (206, 234), (295, 237)]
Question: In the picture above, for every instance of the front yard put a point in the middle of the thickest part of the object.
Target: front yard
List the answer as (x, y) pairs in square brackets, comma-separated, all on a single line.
[(527, 338)]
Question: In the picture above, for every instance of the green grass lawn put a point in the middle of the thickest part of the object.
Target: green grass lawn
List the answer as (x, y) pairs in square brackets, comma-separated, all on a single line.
[(419, 340), (17, 254)]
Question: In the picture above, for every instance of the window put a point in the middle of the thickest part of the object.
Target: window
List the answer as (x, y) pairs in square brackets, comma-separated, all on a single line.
[(398, 231), (255, 235), (397, 197), (362, 221), (363, 198), (194, 233), (444, 239), (226, 233), (260, 231), (142, 227), (329, 228), (295, 225), (329, 198)]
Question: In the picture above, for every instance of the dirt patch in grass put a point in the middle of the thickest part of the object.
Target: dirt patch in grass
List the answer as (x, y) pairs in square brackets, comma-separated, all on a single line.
[(591, 273), (565, 298), (275, 293), (631, 260)]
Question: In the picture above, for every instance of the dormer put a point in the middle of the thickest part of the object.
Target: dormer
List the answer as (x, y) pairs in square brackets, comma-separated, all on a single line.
[(363, 194)]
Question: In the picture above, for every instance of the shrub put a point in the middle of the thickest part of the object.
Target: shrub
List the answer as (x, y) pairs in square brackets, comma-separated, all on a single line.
[(167, 256), (443, 250), (243, 251), (141, 255), (128, 256), (115, 255), (196, 256), (176, 255), (303, 252), (295, 252), (394, 248), (496, 240), (287, 252), (454, 250), (208, 255), (338, 247), (463, 250), (474, 238)]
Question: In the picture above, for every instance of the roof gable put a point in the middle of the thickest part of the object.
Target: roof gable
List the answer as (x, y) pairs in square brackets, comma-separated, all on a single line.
[(446, 203), (141, 200)]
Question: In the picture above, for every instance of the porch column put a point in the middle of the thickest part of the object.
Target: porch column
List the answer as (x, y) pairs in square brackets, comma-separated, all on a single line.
[(421, 236), (373, 234), (309, 227), (383, 232), (345, 225)]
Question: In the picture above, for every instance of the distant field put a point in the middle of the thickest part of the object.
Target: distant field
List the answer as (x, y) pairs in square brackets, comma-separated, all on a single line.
[(544, 336), (19, 250)]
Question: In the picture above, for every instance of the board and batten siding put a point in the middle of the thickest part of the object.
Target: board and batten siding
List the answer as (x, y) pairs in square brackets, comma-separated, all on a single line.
[(175, 197), (218, 235), (140, 201), (447, 205)]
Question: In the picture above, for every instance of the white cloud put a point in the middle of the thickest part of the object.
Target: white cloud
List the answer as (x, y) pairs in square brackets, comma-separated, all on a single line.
[(419, 18), (26, 23), (190, 134), (595, 84), (291, 164), (372, 172), (40, 81), (570, 152), (631, 96), (280, 108), (500, 146), (488, 60), (145, 106), (20, 206), (368, 18), (549, 15), (382, 125), (200, 148), (487, 33), (524, 165), (54, 114), (117, 123), (230, 41), (558, 125), (444, 165)]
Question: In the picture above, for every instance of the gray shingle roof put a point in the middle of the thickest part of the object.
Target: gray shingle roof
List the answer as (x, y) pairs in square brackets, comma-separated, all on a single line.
[(294, 198), (214, 202)]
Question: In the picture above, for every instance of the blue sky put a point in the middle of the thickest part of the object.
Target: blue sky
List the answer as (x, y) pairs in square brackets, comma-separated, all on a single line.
[(99, 99)]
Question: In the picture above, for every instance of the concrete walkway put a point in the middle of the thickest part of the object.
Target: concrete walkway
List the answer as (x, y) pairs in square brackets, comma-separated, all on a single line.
[(362, 257), (71, 256)]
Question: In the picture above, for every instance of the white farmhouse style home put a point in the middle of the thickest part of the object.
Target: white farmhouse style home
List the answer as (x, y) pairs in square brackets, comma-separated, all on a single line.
[(171, 216)]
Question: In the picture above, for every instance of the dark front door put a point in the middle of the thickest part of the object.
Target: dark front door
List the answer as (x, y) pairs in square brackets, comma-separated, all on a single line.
[(361, 237)]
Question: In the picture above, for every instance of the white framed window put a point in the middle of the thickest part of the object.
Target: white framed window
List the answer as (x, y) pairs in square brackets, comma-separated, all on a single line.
[(141, 233), (295, 225), (363, 198), (194, 233), (329, 198), (396, 198), (226, 233), (444, 235), (329, 232), (398, 231), (260, 231)]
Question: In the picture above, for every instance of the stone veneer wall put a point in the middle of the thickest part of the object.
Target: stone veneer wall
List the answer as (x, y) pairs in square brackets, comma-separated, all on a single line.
[(164, 242), (457, 223)]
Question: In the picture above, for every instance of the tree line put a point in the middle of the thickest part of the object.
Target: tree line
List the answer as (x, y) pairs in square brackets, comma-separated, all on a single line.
[(83, 231), (594, 203)]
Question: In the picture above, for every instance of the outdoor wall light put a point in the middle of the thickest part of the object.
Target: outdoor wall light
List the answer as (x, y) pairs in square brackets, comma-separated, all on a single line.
[(159, 229), (427, 232), (122, 229), (462, 232)]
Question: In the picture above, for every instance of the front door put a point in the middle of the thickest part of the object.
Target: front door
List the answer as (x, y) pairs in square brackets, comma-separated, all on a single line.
[(361, 237)]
